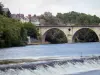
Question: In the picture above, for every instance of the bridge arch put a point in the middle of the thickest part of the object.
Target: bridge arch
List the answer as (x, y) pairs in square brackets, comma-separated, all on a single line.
[(44, 35), (82, 34), (69, 31)]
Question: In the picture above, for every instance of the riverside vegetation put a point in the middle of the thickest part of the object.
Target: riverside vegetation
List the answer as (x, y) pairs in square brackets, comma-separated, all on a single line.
[(14, 33)]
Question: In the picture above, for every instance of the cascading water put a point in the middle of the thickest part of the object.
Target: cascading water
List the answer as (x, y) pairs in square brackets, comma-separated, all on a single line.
[(53, 67)]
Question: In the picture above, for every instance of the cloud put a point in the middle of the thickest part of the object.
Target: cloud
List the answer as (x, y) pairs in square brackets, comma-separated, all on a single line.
[(54, 6)]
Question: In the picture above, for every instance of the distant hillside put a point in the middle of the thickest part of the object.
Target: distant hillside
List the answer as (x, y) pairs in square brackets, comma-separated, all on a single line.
[(73, 18)]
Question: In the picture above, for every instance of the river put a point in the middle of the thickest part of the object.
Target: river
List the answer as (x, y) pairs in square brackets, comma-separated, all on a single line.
[(54, 51)]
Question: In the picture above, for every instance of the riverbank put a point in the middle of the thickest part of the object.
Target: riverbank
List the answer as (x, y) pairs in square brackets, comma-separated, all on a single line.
[(46, 43), (38, 43)]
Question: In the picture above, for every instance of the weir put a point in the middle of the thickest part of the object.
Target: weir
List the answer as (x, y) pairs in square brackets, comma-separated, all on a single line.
[(53, 67)]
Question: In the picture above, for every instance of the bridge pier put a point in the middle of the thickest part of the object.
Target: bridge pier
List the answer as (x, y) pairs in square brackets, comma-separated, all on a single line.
[(42, 41), (99, 37), (69, 38), (70, 41)]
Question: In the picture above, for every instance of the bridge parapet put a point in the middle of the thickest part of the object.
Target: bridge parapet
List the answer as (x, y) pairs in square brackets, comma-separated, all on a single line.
[(68, 26)]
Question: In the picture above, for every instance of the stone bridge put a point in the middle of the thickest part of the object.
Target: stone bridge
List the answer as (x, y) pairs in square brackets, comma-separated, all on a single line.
[(69, 31)]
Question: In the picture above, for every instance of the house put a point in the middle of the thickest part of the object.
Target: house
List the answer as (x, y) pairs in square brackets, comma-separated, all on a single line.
[(33, 19), (5, 10)]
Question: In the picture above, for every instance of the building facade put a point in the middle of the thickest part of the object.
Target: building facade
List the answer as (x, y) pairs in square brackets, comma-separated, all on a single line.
[(33, 19)]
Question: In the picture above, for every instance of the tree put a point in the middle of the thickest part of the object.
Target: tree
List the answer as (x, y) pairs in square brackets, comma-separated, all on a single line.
[(49, 19), (32, 31), (78, 18), (56, 36), (85, 35), (23, 35), (8, 14), (1, 8), (12, 33)]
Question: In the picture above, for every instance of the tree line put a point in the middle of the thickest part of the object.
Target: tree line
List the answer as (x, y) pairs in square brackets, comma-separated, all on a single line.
[(71, 18), (14, 32)]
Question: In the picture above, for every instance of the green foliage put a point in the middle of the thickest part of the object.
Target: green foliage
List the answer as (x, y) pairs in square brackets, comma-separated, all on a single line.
[(32, 31), (85, 35), (4, 13), (49, 19), (12, 33), (1, 8), (8, 14), (73, 18), (78, 18), (23, 35), (56, 36)]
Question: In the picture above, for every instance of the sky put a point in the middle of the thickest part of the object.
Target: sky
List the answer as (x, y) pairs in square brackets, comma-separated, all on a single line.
[(55, 6)]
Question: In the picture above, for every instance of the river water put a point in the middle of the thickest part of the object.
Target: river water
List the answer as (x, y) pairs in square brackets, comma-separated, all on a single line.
[(51, 50), (54, 51)]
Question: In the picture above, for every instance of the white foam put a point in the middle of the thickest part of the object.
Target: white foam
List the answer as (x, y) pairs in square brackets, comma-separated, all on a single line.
[(64, 69)]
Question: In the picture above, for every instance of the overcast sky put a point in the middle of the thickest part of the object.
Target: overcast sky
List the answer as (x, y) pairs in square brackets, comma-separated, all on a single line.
[(40, 6)]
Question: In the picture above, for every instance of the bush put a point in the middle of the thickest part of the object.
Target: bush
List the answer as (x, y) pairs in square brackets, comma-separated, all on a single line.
[(12, 32)]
